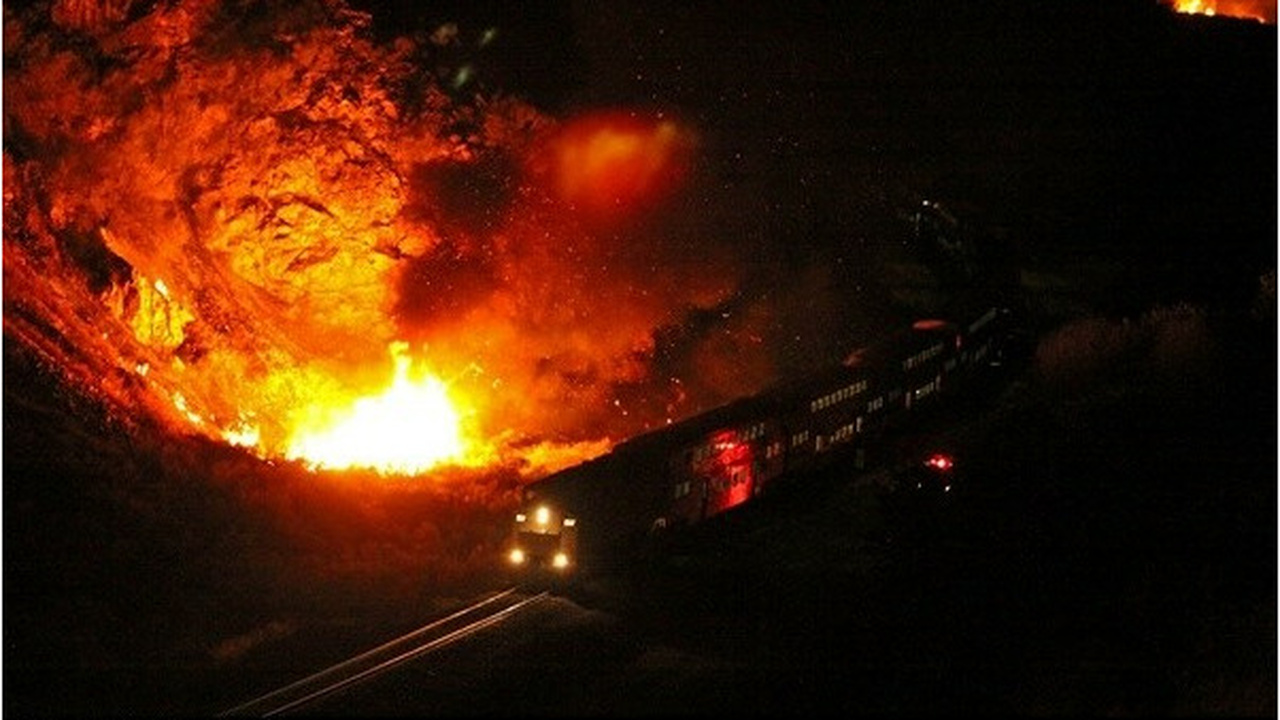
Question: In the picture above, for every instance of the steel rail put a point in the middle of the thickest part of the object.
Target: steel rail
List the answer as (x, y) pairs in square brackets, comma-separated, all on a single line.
[(344, 678)]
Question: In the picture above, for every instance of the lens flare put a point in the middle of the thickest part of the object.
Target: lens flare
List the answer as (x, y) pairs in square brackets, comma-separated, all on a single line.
[(614, 162), (411, 427)]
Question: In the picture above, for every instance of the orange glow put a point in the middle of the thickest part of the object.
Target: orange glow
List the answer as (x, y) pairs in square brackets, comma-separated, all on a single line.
[(411, 427), (241, 278), (613, 162), (1261, 10)]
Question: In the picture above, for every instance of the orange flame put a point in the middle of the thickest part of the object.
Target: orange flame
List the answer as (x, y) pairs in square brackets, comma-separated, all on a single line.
[(1263, 11), (411, 427), (319, 222)]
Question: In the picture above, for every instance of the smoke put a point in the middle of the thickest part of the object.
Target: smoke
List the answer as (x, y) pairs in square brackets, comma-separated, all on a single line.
[(238, 207)]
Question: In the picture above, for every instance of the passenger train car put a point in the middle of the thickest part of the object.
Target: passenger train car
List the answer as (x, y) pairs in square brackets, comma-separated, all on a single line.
[(603, 512)]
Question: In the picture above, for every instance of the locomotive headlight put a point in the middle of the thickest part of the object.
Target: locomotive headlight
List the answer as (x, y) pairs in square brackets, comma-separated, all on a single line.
[(543, 515), (561, 560), (516, 557)]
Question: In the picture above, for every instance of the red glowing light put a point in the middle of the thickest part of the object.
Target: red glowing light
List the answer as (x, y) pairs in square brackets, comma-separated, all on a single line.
[(939, 462), (729, 472), (613, 162), (738, 493)]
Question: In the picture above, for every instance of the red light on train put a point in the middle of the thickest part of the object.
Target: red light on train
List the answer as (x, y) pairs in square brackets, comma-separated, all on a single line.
[(930, 324), (939, 461), (739, 493)]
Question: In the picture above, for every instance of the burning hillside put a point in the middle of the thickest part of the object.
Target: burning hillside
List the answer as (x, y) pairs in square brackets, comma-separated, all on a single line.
[(1261, 10), (256, 223)]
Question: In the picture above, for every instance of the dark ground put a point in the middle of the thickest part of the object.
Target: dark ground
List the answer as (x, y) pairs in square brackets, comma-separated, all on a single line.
[(1107, 551), (1060, 577), (1114, 558)]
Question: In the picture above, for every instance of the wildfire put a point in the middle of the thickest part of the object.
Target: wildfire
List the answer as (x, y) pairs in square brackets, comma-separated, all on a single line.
[(238, 278), (411, 427), (1263, 11)]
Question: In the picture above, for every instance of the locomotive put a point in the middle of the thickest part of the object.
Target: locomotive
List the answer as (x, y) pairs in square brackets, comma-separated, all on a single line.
[(656, 484)]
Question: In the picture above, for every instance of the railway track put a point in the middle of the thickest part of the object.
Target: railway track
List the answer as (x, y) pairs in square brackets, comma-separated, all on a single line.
[(436, 635)]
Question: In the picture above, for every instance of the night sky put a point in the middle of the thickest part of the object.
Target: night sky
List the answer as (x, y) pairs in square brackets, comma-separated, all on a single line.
[(1073, 122)]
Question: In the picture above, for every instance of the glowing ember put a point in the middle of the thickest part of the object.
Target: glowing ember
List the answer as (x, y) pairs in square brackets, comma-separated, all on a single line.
[(411, 427)]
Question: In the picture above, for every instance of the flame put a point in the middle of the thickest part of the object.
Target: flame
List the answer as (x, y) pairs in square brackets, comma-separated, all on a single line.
[(412, 426), (1264, 11), (238, 278)]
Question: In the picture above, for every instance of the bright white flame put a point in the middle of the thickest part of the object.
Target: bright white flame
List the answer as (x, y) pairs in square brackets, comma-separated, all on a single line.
[(1196, 7), (180, 402), (409, 428), (243, 433)]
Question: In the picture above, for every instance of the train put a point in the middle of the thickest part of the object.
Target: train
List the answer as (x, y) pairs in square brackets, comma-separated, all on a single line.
[(614, 509)]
